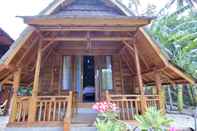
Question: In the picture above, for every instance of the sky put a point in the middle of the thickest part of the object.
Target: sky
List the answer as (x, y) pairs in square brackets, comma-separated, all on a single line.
[(13, 25)]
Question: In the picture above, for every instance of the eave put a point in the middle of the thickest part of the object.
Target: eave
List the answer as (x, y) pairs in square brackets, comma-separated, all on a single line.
[(87, 21)]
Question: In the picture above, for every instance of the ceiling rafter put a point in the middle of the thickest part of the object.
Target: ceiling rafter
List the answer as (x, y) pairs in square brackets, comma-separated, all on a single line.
[(140, 56)]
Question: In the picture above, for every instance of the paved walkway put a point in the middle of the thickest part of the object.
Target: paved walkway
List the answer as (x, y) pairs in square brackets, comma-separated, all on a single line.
[(3, 122), (181, 121)]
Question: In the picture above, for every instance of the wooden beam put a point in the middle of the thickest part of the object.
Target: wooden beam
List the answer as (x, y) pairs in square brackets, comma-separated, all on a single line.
[(6, 80), (87, 28), (16, 85), (47, 45), (151, 71), (163, 74), (124, 58), (46, 56), (32, 109), (181, 74), (26, 52), (37, 71), (85, 52), (86, 21), (159, 92), (141, 57), (121, 76), (139, 77), (90, 39)]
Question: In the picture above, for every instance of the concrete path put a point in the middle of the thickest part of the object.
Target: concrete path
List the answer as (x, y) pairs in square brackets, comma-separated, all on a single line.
[(3, 122), (181, 121)]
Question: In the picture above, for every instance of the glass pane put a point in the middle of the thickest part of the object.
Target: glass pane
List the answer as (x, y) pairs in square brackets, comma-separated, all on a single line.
[(67, 73), (78, 74), (107, 83)]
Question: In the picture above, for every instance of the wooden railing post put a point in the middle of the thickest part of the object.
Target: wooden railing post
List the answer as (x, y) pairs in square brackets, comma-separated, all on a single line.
[(67, 119), (159, 92), (107, 96), (139, 77), (32, 105), (16, 84)]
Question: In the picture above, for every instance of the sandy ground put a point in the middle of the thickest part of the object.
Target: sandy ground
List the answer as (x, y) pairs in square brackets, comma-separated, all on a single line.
[(3, 122), (180, 121)]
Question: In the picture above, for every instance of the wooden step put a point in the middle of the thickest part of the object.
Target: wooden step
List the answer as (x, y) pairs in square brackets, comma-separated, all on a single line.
[(85, 105), (84, 118), (73, 128)]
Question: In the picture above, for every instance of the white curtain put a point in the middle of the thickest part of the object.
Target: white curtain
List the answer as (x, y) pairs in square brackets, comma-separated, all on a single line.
[(67, 73), (107, 83), (78, 74)]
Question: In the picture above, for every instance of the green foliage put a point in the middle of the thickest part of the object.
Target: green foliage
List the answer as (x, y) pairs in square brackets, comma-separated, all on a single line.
[(108, 122), (24, 91), (177, 36), (152, 119)]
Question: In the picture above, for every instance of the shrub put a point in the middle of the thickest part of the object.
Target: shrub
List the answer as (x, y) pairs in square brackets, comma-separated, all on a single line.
[(107, 117), (152, 120)]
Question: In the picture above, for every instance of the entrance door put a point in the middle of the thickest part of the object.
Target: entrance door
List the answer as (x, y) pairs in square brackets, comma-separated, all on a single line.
[(93, 77), (88, 79)]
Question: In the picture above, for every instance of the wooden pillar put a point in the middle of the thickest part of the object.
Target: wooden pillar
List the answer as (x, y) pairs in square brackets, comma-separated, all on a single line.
[(107, 96), (159, 91), (32, 106), (16, 84), (69, 113), (74, 88), (139, 78)]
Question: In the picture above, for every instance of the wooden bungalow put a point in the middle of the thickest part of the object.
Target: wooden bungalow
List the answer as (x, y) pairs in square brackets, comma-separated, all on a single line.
[(78, 52)]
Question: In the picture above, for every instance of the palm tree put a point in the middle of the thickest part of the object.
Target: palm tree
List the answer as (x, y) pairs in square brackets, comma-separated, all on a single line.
[(179, 4), (134, 6), (177, 35)]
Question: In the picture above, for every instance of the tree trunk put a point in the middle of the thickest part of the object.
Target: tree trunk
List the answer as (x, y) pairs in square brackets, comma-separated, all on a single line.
[(194, 90), (163, 99), (170, 97), (189, 89), (180, 98)]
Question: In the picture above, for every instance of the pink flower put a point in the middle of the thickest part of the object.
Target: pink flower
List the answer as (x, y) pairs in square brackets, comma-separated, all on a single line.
[(172, 129), (105, 107)]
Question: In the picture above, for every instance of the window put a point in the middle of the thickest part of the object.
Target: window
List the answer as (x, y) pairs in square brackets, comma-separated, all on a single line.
[(67, 73), (78, 74), (107, 83)]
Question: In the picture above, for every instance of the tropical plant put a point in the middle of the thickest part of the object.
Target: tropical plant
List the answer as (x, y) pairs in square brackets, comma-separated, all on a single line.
[(24, 91), (107, 117), (176, 34), (153, 120)]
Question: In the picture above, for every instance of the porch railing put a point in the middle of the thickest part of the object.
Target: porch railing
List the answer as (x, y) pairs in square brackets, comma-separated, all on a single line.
[(20, 113), (51, 108), (48, 109), (153, 101), (129, 105)]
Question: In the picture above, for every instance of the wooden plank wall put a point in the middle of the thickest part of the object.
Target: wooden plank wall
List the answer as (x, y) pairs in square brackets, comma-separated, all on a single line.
[(127, 79), (122, 78), (117, 75), (50, 77)]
